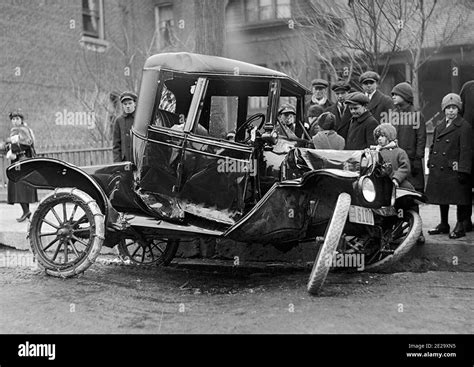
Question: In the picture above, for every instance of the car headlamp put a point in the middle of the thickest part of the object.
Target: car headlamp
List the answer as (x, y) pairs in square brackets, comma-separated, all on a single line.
[(368, 189)]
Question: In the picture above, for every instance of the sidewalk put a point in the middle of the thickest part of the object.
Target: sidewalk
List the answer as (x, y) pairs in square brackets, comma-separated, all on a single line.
[(438, 253)]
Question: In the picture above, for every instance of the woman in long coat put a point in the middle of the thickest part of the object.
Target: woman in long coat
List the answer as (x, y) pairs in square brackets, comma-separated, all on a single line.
[(467, 99), (21, 146), (449, 181)]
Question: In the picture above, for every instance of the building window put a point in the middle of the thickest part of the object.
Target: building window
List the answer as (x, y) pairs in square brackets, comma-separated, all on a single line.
[(164, 24), (256, 10), (93, 18)]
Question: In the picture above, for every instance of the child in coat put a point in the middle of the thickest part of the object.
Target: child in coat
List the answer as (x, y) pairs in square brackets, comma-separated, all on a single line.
[(326, 137)]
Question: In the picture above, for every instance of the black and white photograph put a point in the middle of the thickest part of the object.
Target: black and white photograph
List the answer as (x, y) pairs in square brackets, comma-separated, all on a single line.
[(237, 167)]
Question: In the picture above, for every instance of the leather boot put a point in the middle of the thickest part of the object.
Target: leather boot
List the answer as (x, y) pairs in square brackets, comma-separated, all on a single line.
[(440, 228), (458, 231)]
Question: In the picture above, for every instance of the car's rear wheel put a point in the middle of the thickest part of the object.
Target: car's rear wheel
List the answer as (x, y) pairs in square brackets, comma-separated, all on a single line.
[(148, 252), (397, 241), (334, 230), (66, 232)]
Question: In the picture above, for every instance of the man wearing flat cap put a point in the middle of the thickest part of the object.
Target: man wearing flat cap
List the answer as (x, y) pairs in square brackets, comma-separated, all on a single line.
[(319, 88), (122, 139), (340, 110), (379, 102), (362, 124)]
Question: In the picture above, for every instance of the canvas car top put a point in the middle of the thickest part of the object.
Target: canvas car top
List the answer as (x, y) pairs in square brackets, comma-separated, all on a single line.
[(187, 62)]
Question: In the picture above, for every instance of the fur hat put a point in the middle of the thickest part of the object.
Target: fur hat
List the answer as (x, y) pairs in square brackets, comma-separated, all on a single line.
[(404, 90), (451, 99), (327, 121), (385, 129)]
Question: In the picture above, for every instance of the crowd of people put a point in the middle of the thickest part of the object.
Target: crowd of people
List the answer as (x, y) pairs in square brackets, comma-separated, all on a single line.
[(356, 121), (371, 119)]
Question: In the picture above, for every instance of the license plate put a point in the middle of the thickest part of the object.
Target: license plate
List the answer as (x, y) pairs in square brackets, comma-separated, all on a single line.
[(361, 215)]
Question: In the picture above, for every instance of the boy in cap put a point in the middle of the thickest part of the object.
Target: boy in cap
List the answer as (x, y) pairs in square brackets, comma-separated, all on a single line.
[(411, 132), (378, 102), (320, 91), (362, 125), (326, 137), (121, 135), (314, 112), (340, 110), (450, 161)]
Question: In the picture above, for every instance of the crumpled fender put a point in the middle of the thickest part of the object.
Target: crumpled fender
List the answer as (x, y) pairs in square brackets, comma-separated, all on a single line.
[(50, 173)]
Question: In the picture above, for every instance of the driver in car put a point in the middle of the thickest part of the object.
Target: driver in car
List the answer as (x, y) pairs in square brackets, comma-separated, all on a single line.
[(287, 121)]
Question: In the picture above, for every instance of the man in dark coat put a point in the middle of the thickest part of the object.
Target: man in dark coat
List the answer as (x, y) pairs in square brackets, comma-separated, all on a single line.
[(467, 99), (123, 124), (379, 102), (450, 164), (411, 132), (340, 110), (362, 125)]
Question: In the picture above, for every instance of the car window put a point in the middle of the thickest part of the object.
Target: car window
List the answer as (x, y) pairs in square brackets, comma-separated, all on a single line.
[(219, 117), (165, 115)]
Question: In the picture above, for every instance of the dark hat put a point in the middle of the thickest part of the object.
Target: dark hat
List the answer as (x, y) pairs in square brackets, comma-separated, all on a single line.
[(369, 75), (287, 108), (327, 121), (319, 83), (357, 98), (128, 95), (404, 90), (341, 85), (16, 113), (315, 110), (385, 129)]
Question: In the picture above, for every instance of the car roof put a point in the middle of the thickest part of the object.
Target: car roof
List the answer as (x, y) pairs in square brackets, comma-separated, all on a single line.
[(192, 63)]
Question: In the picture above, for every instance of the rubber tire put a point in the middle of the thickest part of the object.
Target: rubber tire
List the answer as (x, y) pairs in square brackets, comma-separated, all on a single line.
[(331, 240), (76, 196), (169, 254), (404, 247)]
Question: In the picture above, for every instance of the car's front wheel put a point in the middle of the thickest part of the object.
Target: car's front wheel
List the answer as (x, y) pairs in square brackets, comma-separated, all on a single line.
[(331, 240), (396, 241), (66, 232)]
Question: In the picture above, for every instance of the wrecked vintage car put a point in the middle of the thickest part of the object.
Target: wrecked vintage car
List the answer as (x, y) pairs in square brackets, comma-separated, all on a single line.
[(210, 160)]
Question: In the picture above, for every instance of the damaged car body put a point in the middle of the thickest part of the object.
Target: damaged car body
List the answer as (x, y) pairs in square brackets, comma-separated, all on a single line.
[(210, 161)]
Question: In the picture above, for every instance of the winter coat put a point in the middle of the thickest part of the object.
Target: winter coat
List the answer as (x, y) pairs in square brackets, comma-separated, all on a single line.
[(20, 192), (467, 98), (328, 139), (361, 132), (122, 141), (450, 154), (398, 159), (411, 136), (379, 103), (342, 121)]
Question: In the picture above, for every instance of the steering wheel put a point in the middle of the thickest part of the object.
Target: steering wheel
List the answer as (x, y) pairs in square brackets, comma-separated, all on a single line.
[(250, 120)]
